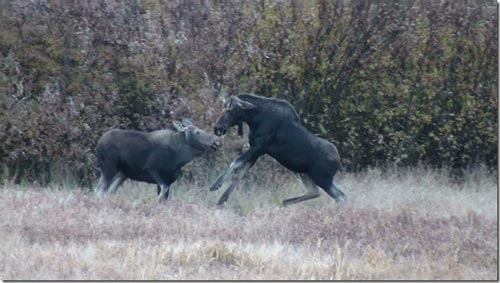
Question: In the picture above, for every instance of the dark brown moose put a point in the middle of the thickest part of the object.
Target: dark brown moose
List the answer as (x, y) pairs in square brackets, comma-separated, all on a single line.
[(153, 157), (275, 129)]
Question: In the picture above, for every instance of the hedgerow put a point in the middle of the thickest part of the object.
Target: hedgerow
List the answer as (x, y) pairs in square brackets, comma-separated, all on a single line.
[(403, 82)]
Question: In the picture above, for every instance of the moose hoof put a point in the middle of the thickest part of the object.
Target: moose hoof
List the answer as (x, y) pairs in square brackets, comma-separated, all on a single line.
[(215, 187), (341, 199), (221, 205)]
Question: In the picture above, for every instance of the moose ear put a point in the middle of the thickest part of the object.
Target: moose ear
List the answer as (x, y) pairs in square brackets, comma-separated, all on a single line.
[(178, 126), (244, 104), (228, 103)]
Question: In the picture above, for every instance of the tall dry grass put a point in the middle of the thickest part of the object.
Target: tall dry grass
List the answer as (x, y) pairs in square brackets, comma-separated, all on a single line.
[(395, 225)]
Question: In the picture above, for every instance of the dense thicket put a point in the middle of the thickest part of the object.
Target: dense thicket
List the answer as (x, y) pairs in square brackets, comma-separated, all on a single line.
[(386, 81)]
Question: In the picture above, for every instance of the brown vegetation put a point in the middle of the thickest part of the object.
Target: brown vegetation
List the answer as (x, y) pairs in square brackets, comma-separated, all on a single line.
[(395, 225), (399, 81)]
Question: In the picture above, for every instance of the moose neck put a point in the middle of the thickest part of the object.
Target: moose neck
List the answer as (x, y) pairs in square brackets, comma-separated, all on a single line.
[(250, 119), (249, 116), (185, 152), (267, 109)]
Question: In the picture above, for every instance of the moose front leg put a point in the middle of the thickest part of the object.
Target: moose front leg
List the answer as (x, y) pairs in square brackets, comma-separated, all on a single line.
[(163, 195), (249, 157), (239, 174), (163, 187), (159, 192), (222, 178)]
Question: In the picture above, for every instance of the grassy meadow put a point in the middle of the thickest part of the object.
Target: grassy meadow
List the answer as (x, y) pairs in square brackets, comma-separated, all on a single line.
[(402, 224)]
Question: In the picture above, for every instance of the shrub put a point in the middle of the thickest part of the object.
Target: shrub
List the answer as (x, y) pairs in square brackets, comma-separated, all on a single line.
[(404, 82)]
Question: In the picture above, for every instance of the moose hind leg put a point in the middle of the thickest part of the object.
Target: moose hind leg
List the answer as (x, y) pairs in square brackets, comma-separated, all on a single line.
[(336, 193), (107, 180), (324, 180), (98, 187), (117, 182), (109, 169), (313, 192)]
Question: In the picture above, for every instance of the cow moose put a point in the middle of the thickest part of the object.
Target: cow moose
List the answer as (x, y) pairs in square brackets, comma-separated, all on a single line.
[(154, 157), (275, 129)]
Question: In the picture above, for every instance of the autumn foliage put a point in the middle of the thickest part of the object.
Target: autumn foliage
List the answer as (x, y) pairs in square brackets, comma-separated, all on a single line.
[(402, 82)]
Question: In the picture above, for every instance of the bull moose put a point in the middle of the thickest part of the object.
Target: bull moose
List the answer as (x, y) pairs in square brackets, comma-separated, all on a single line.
[(275, 129), (154, 157)]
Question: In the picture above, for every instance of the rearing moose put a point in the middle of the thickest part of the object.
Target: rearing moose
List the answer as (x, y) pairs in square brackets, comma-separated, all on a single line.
[(275, 129)]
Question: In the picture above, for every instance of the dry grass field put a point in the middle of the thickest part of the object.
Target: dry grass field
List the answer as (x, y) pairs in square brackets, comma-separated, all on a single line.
[(397, 225)]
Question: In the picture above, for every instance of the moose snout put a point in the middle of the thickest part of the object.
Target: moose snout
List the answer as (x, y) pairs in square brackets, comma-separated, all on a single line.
[(218, 130), (217, 143)]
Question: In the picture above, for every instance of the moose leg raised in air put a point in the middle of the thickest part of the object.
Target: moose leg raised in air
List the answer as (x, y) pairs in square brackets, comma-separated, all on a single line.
[(242, 170), (244, 162)]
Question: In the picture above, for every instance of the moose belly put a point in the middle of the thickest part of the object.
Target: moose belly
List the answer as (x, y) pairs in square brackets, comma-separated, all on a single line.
[(297, 162), (135, 173), (138, 175), (295, 152)]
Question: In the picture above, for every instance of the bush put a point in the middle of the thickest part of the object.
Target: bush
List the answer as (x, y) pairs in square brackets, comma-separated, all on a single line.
[(406, 82)]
